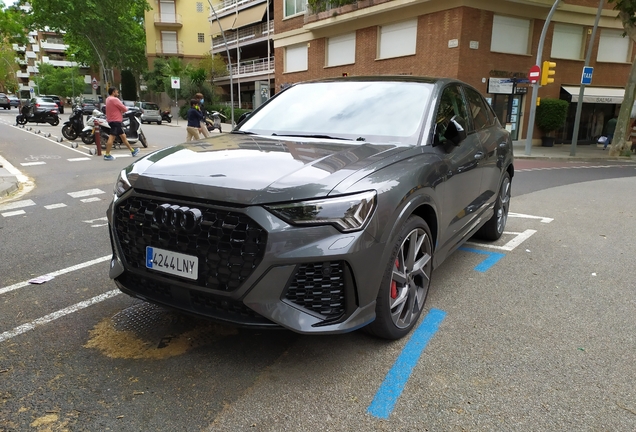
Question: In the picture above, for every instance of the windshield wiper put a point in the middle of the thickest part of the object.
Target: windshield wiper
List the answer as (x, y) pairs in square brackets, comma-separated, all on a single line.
[(311, 136), (240, 132)]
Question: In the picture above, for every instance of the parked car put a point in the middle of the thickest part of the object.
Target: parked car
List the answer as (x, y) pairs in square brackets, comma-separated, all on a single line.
[(324, 211), (88, 105), (4, 101), (131, 105), (58, 102), (14, 101), (42, 103), (149, 112)]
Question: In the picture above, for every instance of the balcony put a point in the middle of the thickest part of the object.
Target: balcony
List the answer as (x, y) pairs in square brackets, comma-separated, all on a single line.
[(250, 68), (226, 6), (51, 46), (19, 48), (22, 74), (168, 20), (245, 35), (169, 47)]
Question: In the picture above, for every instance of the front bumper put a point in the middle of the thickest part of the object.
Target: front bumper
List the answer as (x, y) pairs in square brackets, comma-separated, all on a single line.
[(254, 269)]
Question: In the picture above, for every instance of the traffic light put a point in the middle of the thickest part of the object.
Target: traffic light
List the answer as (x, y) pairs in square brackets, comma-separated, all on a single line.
[(546, 72), (538, 101)]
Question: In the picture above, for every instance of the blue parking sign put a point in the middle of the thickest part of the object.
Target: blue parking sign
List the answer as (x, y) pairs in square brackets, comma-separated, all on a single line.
[(586, 77)]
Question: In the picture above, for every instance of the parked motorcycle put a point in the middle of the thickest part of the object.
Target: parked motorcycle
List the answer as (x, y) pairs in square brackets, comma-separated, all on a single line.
[(33, 114), (74, 126), (166, 116), (132, 129), (97, 118), (213, 120)]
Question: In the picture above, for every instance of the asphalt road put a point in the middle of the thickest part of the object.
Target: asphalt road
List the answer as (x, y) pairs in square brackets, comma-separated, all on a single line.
[(534, 332)]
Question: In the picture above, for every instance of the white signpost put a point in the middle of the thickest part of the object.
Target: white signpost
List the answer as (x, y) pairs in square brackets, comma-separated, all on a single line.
[(176, 85)]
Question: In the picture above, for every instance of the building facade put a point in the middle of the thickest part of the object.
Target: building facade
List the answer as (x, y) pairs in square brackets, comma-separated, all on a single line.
[(487, 43), (242, 33), (177, 28)]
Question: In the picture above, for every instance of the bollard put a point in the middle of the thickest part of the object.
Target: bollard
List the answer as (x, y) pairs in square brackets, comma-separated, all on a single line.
[(98, 139)]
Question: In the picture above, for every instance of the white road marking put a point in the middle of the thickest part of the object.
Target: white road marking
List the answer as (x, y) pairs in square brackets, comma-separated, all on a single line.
[(51, 140), (92, 221), (87, 192), (16, 205), (32, 163), (516, 241), (55, 315), (56, 273), (78, 159), (525, 216), (54, 206), (87, 200), (14, 213)]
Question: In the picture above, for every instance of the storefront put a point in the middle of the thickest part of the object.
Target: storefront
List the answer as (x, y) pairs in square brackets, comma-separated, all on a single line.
[(507, 101), (599, 105)]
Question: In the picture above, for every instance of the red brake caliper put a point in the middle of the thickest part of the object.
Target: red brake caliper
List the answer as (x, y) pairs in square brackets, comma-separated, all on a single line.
[(394, 284)]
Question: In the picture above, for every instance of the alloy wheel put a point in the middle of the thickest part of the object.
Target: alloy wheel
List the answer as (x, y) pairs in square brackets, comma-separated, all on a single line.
[(504, 205)]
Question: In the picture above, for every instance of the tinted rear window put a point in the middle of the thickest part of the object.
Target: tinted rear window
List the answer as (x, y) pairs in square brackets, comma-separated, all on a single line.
[(151, 106)]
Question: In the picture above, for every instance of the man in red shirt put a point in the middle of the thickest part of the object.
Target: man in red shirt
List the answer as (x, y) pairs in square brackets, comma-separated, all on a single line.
[(114, 110)]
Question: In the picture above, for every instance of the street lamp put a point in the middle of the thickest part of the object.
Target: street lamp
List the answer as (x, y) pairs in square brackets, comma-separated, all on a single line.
[(101, 61), (73, 76), (229, 60)]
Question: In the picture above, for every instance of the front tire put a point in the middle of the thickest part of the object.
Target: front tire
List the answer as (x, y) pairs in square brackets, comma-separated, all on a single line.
[(69, 132), (142, 138), (88, 138), (494, 228), (55, 121), (405, 283), (21, 120)]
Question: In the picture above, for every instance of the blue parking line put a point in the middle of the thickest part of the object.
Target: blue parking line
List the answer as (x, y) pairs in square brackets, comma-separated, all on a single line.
[(492, 259), (395, 380)]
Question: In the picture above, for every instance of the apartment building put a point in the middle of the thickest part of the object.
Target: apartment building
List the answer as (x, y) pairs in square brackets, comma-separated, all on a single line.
[(177, 28), (43, 47), (242, 33), (490, 44)]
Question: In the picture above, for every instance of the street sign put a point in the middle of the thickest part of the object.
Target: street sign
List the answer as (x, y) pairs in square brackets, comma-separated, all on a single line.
[(586, 76), (176, 82), (94, 80), (94, 86), (534, 74)]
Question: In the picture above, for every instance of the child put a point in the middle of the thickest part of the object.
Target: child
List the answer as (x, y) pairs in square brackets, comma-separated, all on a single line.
[(194, 121)]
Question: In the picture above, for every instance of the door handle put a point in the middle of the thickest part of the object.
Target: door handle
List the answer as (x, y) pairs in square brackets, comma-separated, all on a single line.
[(479, 155)]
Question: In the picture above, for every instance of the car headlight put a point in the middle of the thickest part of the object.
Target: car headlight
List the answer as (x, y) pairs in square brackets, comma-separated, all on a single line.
[(122, 184), (347, 213)]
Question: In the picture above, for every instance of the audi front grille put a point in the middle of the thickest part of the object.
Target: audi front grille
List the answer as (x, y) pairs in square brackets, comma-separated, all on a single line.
[(229, 245)]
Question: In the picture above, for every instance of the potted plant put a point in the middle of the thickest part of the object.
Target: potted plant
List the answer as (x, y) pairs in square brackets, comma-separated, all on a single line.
[(551, 115)]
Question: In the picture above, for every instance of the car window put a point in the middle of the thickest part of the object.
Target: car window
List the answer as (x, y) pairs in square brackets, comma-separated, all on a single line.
[(478, 110), (360, 111), (151, 106), (451, 115)]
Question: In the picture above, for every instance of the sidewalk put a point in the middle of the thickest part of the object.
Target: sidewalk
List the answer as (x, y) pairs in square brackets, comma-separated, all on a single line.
[(9, 182)]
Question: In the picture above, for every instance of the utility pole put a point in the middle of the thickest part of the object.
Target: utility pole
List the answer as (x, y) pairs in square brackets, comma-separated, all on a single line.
[(535, 87), (229, 59)]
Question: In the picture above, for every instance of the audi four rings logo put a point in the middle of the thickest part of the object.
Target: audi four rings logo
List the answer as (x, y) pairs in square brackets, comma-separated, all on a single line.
[(177, 218)]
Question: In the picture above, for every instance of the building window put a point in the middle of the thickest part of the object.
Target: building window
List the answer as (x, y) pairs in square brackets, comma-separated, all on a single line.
[(200, 37), (510, 35), (199, 7), (293, 7), (613, 47), (169, 42), (567, 42), (296, 58), (341, 50), (398, 39)]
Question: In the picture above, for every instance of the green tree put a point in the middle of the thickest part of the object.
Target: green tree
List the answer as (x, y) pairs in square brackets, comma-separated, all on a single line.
[(128, 85), (59, 81), (110, 31), (8, 68), (12, 24), (214, 65), (620, 144)]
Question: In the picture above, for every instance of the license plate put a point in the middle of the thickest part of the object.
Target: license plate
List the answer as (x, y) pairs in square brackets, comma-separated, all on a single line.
[(174, 263)]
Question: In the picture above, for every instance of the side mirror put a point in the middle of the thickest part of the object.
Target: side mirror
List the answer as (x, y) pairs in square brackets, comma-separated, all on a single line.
[(455, 132), (243, 117)]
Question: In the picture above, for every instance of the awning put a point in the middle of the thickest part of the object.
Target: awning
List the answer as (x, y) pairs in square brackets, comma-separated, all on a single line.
[(250, 16), (606, 95), (227, 23)]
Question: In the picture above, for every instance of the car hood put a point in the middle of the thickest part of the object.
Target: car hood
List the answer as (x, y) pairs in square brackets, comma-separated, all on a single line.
[(251, 169)]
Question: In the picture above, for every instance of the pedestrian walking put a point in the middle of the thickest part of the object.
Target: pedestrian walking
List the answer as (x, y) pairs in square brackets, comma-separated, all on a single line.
[(201, 108), (114, 110), (194, 117), (609, 131)]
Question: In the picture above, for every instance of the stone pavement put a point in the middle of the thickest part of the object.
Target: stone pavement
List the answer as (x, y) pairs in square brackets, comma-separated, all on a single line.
[(9, 182)]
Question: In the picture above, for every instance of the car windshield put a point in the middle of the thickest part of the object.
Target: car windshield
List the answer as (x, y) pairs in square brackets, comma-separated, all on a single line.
[(355, 110)]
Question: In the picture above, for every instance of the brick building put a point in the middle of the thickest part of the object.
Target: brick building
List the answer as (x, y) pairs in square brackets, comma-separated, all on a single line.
[(485, 43)]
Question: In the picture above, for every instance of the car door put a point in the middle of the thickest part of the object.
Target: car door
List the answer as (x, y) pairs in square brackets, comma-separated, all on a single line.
[(493, 139), (461, 154)]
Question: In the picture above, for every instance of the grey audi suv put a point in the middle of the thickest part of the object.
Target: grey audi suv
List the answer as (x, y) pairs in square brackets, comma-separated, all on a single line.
[(324, 211)]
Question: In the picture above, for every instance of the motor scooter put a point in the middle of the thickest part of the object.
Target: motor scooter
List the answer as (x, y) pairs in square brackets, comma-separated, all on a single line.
[(166, 116), (74, 126), (35, 114), (213, 121), (131, 126)]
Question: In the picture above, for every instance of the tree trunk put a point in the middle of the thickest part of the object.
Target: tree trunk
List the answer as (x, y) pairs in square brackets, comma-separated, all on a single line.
[(621, 144)]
